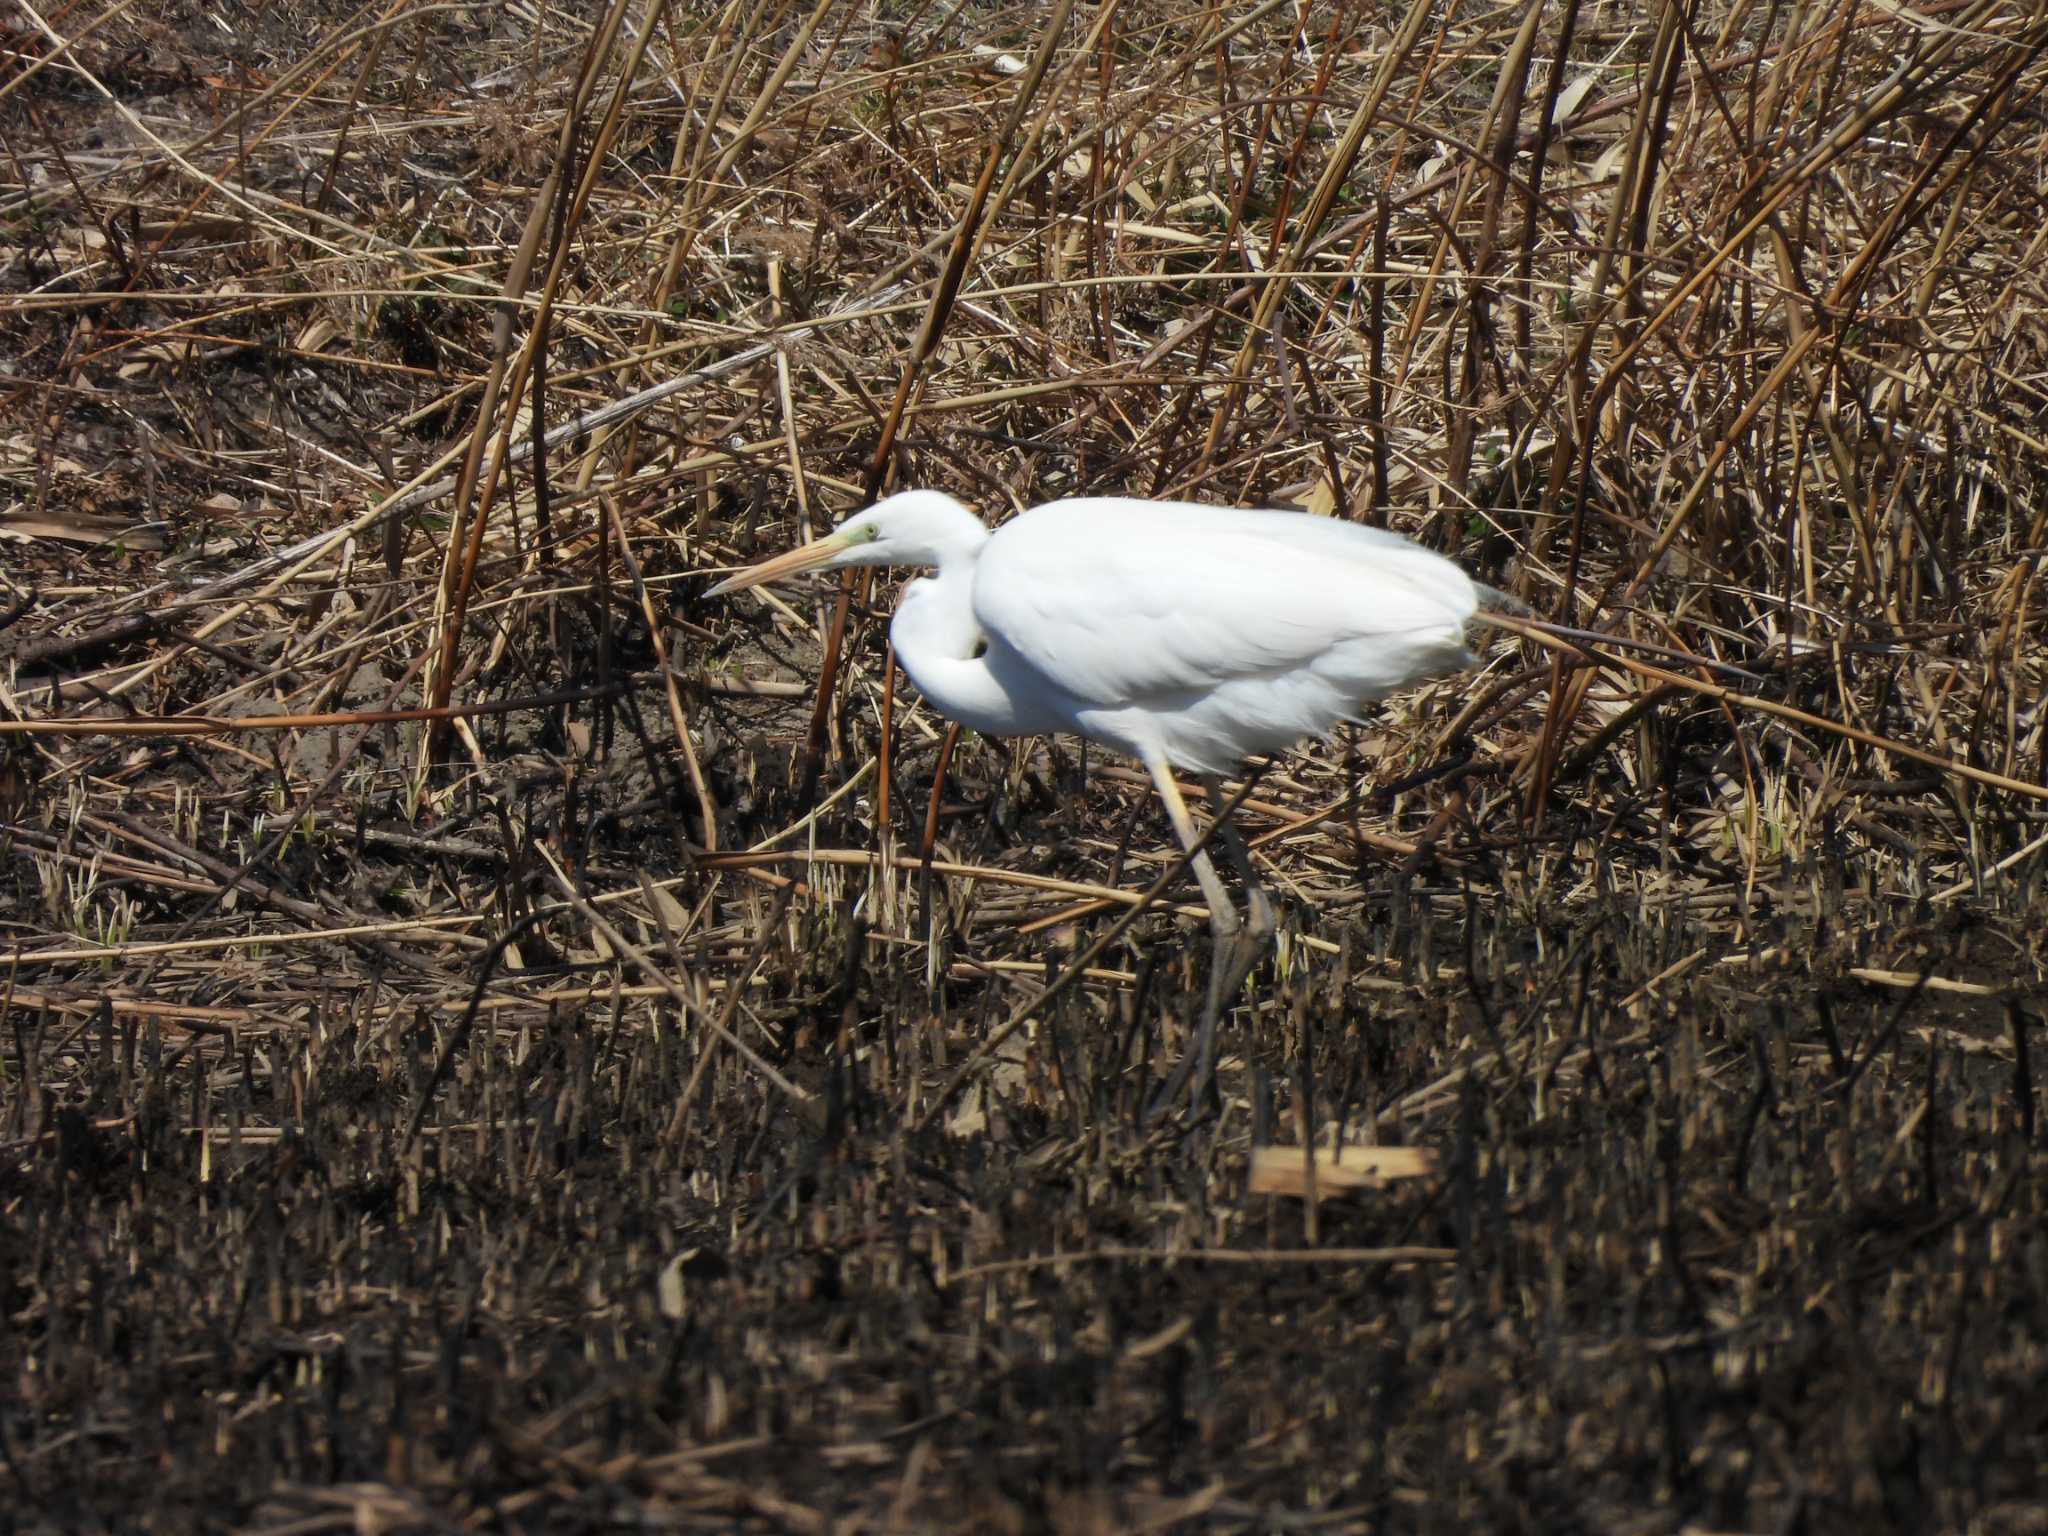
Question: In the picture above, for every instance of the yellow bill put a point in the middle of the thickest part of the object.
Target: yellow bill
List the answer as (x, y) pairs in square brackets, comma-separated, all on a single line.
[(805, 557)]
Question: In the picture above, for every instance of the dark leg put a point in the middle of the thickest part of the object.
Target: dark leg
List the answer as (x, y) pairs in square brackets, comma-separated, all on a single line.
[(1258, 931)]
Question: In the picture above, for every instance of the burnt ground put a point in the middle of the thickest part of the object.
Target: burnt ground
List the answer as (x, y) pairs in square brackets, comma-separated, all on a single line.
[(1756, 1247)]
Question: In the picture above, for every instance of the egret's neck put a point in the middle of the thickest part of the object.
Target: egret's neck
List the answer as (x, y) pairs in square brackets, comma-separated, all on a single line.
[(935, 620), (941, 646)]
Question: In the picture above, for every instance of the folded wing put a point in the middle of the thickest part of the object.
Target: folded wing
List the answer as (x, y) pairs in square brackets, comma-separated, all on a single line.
[(1130, 603)]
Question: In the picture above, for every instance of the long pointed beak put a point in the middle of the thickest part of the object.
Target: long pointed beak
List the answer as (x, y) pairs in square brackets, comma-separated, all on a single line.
[(805, 557)]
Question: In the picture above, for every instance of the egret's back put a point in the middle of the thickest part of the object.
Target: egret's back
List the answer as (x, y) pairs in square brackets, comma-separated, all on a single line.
[(1208, 633)]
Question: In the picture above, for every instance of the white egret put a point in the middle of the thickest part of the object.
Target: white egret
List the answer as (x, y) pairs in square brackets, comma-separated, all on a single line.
[(1187, 636)]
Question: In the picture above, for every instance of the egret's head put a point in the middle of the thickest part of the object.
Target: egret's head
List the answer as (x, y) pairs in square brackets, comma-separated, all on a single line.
[(911, 528)]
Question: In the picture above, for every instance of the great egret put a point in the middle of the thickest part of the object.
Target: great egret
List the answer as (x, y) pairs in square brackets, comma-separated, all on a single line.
[(1187, 636)]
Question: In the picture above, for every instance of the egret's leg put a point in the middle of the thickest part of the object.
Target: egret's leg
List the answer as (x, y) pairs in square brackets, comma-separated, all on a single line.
[(1262, 920), (1245, 949), (1223, 917), (1224, 923)]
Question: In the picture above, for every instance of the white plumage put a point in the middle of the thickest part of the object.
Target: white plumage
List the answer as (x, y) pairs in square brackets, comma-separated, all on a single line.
[(1188, 636), (1210, 633)]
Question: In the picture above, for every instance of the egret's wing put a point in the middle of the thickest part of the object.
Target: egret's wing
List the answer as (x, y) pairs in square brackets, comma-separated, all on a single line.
[(1119, 602)]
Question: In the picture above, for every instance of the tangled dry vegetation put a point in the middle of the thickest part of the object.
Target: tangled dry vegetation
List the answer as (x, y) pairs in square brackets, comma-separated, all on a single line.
[(639, 1094)]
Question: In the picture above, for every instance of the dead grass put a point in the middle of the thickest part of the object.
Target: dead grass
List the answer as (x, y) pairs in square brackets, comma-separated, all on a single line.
[(493, 1041)]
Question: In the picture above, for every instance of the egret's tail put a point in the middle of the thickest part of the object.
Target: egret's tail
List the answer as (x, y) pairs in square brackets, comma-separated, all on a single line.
[(1497, 610), (1493, 600)]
